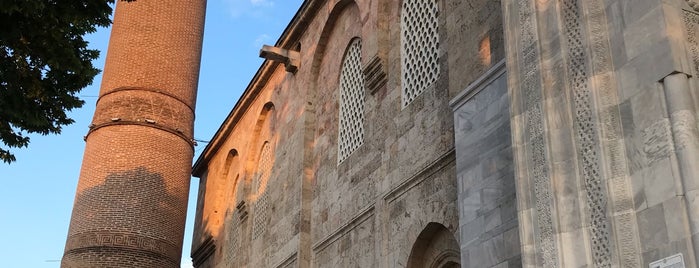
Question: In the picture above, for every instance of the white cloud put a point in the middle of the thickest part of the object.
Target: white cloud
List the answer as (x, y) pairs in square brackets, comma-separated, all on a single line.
[(261, 40), (267, 3), (248, 8)]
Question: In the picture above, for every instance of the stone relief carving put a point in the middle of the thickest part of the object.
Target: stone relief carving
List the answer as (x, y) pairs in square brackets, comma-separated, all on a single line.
[(531, 87), (694, 4), (586, 132), (691, 21)]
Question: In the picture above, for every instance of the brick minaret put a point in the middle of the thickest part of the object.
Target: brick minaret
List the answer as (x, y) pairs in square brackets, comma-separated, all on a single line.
[(131, 200)]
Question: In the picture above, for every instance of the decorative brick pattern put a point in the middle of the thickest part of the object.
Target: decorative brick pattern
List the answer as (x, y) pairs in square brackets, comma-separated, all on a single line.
[(419, 47), (352, 90)]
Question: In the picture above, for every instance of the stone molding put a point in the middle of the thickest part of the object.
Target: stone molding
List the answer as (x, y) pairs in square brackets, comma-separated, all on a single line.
[(481, 83), (426, 172), (288, 261), (357, 220)]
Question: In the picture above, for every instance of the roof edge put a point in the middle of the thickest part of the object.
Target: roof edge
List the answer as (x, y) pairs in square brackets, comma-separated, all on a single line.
[(288, 39)]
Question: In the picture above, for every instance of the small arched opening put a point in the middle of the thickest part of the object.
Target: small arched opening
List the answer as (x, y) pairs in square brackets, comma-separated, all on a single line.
[(435, 247)]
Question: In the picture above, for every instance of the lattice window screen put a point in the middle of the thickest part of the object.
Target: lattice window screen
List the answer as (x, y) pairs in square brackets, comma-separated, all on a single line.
[(233, 239), (351, 128), (419, 47), (261, 205)]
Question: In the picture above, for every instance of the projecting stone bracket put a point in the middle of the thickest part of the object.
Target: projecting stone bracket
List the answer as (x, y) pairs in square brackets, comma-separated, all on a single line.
[(290, 58)]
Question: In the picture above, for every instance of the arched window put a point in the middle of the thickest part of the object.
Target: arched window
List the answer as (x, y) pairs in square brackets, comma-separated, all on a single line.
[(419, 47), (351, 129)]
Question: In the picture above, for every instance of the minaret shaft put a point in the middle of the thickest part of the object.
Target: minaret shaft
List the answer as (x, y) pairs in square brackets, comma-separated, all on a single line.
[(131, 200)]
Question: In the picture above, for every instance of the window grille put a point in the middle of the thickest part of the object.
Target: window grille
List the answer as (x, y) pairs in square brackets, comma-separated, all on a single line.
[(259, 189), (419, 47), (351, 129)]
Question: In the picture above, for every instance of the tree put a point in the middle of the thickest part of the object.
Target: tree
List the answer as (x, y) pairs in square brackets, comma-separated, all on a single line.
[(44, 63)]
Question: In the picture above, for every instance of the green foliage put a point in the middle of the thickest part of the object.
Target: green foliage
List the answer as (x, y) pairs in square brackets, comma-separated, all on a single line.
[(44, 63)]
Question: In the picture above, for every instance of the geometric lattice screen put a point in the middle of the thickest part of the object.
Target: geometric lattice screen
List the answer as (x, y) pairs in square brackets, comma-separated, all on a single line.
[(419, 47), (259, 189), (351, 129)]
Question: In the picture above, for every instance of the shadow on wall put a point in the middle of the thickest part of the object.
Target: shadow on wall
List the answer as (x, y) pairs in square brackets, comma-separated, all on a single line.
[(130, 211)]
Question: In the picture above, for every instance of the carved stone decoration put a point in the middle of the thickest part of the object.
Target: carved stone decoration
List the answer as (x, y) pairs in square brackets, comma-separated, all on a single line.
[(694, 4), (530, 77), (691, 21), (586, 133), (609, 125)]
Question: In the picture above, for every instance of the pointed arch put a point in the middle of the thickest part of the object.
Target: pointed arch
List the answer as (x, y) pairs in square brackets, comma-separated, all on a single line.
[(435, 247), (231, 174), (351, 114), (258, 168), (262, 132)]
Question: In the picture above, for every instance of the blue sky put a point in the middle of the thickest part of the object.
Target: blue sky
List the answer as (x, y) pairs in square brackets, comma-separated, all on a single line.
[(37, 191)]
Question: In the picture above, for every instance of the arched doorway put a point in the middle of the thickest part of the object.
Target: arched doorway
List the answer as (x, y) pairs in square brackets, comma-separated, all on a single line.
[(435, 247)]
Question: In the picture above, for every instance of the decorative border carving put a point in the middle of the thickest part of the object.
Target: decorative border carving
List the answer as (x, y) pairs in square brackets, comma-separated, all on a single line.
[(610, 128), (530, 85), (585, 129), (694, 4), (691, 21)]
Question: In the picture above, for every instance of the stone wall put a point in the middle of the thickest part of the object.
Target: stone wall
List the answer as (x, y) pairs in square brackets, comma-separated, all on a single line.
[(485, 173), (383, 204), (604, 130)]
